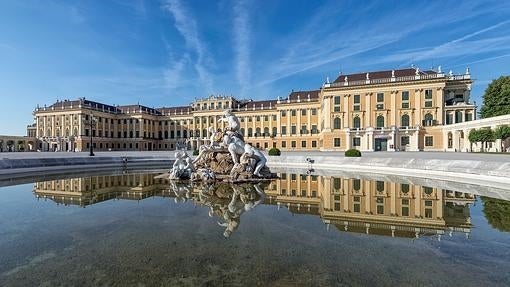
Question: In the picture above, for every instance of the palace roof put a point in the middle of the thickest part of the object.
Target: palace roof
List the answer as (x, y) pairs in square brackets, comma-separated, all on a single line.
[(382, 75)]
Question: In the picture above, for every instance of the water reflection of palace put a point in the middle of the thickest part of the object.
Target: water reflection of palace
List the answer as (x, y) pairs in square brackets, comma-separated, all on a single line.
[(349, 204), (90, 190), (374, 207)]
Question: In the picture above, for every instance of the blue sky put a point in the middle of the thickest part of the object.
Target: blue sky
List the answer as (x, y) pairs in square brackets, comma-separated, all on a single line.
[(166, 53)]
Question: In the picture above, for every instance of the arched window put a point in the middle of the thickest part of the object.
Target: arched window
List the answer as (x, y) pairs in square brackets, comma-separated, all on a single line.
[(67, 132), (429, 120), (242, 131), (204, 133), (356, 184), (275, 131), (404, 121), (75, 132), (250, 132), (266, 131), (356, 122), (336, 123), (257, 132), (380, 122)]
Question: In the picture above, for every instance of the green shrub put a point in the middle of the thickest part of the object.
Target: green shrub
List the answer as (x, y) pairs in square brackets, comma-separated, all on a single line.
[(274, 152), (352, 153), (195, 152)]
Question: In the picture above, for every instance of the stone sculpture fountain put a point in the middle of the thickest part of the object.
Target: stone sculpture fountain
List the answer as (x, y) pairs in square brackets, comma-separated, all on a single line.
[(225, 158)]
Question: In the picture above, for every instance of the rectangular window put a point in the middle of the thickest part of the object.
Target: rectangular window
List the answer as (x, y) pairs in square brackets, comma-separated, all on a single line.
[(449, 119), (380, 106), (314, 112), (303, 144), (469, 117), (303, 129), (428, 212), (356, 141), (428, 104), (293, 113), (356, 207), (404, 141), (405, 210), (429, 141), (380, 209), (284, 144), (314, 143), (303, 112), (380, 97), (336, 142), (284, 113), (357, 99), (356, 108), (428, 94), (337, 100), (293, 130), (405, 96), (293, 144), (314, 129), (284, 130), (336, 109), (405, 105)]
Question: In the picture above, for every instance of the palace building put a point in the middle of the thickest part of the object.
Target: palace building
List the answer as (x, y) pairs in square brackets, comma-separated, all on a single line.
[(394, 110)]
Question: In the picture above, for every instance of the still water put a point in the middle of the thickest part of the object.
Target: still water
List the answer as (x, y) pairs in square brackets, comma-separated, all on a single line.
[(298, 230)]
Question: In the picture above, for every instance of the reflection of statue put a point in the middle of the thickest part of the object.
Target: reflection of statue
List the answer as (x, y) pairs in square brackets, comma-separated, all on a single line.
[(229, 202), (182, 167), (182, 191)]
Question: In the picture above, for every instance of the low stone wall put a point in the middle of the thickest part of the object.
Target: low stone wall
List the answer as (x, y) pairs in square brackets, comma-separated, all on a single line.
[(11, 168), (469, 171)]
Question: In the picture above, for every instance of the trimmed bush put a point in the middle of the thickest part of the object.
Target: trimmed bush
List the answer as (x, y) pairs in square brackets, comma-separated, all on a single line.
[(274, 152), (195, 152), (352, 153)]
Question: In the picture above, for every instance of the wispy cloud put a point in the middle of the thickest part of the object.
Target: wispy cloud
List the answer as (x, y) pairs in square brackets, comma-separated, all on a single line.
[(460, 46), (173, 75), (242, 42), (319, 43), (187, 27)]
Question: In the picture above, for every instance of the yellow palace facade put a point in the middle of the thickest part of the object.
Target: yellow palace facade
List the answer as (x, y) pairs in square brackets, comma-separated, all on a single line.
[(375, 111)]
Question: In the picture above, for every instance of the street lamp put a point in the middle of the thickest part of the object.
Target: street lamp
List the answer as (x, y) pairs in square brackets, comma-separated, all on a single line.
[(92, 122)]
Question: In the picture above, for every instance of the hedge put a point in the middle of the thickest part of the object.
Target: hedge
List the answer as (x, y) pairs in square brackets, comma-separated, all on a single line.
[(352, 153)]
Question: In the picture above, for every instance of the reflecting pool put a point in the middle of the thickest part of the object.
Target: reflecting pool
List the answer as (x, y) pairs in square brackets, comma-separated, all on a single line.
[(298, 230)]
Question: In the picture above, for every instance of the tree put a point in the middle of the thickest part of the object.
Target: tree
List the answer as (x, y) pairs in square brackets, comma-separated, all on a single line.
[(502, 133), (481, 135), (497, 212), (496, 100)]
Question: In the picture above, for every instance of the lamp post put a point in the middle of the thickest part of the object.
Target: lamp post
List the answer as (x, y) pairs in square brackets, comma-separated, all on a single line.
[(92, 122)]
